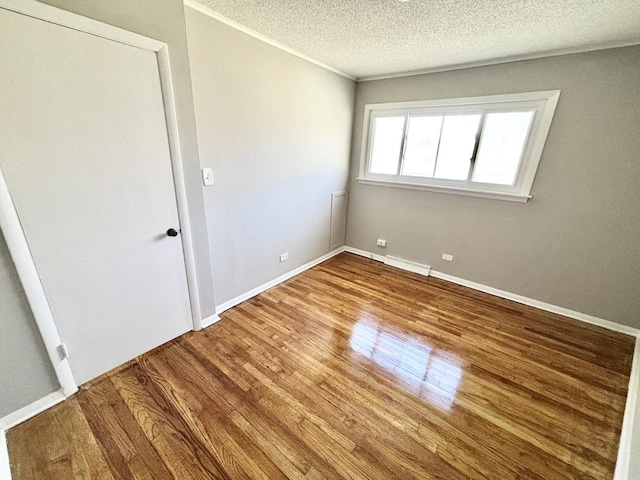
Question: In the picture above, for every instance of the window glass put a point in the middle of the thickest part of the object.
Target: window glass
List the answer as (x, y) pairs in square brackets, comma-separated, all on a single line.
[(486, 146), (457, 142), (423, 137), (387, 139), (504, 135)]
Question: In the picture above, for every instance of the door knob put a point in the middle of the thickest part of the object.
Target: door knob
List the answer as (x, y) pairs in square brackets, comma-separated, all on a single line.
[(172, 232)]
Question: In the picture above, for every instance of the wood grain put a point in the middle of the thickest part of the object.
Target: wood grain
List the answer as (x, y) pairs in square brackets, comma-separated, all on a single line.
[(351, 370)]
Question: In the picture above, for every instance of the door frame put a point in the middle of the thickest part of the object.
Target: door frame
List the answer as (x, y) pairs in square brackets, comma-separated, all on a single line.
[(10, 222)]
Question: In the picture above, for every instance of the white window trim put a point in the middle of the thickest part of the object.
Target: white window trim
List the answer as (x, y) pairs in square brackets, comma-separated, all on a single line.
[(544, 102)]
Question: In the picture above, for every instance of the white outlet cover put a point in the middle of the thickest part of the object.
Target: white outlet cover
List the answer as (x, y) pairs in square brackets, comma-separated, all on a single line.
[(447, 257)]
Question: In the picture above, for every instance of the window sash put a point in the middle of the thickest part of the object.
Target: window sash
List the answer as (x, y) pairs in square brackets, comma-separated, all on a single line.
[(523, 151), (542, 104), (407, 115)]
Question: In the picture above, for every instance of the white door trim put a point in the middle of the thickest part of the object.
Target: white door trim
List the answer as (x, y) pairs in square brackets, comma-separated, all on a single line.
[(178, 179), (28, 274), (10, 222), (5, 465)]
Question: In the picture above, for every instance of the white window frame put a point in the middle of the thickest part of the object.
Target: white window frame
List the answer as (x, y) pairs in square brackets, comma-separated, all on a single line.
[(544, 103)]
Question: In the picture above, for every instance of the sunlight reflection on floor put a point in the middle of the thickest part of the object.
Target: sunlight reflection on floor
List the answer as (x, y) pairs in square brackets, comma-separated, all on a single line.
[(420, 369)]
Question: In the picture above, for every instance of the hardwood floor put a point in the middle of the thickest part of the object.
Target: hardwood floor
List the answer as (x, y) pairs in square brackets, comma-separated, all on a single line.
[(350, 370)]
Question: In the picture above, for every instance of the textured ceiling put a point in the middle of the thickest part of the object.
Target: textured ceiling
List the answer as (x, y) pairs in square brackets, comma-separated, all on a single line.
[(377, 37)]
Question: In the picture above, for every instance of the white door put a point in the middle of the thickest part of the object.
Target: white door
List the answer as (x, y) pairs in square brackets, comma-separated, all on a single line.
[(84, 149)]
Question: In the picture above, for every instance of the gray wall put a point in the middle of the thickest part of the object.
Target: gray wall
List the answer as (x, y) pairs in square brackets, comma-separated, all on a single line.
[(576, 243), (276, 130), (26, 374)]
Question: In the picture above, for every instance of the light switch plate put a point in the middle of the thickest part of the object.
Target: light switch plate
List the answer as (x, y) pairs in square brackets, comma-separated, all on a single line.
[(207, 176)]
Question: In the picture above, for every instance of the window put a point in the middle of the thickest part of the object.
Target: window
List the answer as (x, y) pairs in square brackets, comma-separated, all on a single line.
[(482, 146)]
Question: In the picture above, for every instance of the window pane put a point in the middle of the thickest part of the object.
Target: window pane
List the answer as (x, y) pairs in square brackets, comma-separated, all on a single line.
[(503, 138), (387, 139), (456, 146), (422, 145)]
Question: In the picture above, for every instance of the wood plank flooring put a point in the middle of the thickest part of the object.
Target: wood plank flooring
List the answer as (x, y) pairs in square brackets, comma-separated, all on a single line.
[(350, 370)]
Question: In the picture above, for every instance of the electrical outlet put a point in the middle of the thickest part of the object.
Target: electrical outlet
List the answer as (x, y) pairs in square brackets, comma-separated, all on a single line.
[(447, 257), (381, 243), (284, 257)]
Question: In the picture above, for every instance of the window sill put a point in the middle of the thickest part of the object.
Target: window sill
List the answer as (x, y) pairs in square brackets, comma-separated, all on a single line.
[(510, 197)]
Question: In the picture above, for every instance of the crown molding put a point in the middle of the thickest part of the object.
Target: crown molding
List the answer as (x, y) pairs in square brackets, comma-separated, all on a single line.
[(230, 23), (499, 61)]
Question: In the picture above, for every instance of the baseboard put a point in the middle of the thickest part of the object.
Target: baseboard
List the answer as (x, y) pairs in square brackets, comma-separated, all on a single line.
[(408, 265), (414, 267), (548, 307), (5, 465), (25, 413), (258, 290), (397, 262), (623, 463), (206, 322), (364, 253)]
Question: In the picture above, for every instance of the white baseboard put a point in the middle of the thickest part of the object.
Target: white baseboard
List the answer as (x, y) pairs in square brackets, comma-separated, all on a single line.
[(364, 253), (25, 413), (5, 465), (206, 322), (266, 286), (548, 307), (631, 415), (407, 265), (414, 267)]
